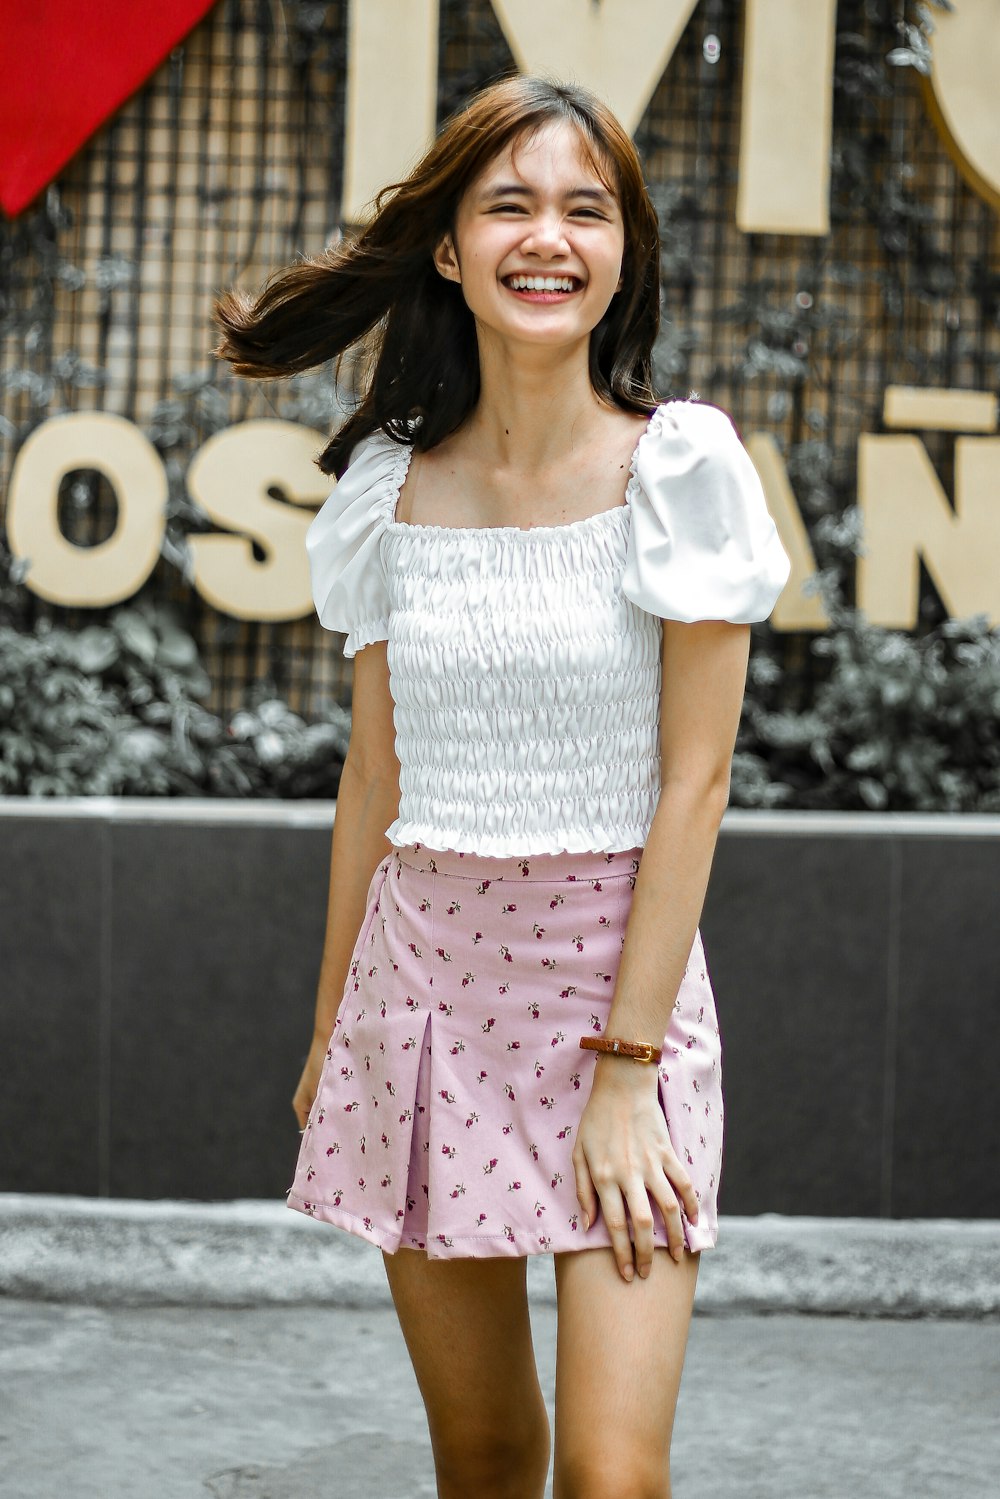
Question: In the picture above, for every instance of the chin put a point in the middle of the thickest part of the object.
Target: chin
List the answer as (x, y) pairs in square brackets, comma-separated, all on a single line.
[(535, 328)]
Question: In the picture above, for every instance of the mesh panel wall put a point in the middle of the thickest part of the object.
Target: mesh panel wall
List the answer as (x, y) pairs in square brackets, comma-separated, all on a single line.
[(228, 163)]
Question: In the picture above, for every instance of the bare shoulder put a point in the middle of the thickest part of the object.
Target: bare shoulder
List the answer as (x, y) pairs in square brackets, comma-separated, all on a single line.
[(431, 472), (617, 438)]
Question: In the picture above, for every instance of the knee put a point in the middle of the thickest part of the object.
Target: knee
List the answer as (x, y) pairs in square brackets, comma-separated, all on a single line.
[(490, 1463), (606, 1475)]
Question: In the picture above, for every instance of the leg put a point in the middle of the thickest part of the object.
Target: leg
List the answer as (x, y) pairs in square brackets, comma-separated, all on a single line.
[(465, 1323), (618, 1370)]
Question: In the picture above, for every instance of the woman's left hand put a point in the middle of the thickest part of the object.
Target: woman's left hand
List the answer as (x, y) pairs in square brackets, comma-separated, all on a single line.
[(623, 1157)]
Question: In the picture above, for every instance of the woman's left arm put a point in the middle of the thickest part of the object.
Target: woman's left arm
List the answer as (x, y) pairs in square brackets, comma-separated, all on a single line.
[(623, 1153)]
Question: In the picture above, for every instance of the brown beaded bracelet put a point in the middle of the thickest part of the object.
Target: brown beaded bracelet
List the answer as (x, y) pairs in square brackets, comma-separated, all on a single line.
[(638, 1051)]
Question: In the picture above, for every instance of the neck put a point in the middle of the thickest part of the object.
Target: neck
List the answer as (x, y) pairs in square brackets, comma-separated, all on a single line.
[(535, 404)]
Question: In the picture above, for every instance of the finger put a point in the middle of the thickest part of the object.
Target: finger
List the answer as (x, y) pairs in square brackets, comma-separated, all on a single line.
[(613, 1208), (641, 1213), (668, 1205), (683, 1186), (585, 1194)]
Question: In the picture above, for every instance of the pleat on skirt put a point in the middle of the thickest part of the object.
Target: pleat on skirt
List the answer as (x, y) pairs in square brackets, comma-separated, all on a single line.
[(447, 1108)]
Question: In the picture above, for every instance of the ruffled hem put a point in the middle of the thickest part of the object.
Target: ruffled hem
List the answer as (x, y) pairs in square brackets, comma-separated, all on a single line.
[(518, 1245), (366, 634), (403, 832)]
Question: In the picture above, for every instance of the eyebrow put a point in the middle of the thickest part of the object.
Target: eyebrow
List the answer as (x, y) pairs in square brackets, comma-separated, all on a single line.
[(520, 190)]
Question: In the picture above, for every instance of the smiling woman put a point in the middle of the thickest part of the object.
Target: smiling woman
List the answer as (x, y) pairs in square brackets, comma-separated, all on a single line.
[(547, 576), (383, 286)]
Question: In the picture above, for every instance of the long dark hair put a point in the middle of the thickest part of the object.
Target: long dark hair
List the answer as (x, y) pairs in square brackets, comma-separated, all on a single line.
[(383, 287)]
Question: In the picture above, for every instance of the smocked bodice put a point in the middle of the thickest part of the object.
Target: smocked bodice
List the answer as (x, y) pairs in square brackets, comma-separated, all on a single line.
[(525, 663), (526, 689)]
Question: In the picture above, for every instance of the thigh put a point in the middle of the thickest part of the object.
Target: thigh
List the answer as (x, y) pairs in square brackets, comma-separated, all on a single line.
[(619, 1357), (466, 1327)]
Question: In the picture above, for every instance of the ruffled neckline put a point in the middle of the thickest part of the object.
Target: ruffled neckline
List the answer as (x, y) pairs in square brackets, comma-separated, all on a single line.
[(613, 515)]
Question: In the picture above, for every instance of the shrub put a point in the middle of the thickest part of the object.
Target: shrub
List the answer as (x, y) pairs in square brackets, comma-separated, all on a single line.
[(116, 709), (898, 722)]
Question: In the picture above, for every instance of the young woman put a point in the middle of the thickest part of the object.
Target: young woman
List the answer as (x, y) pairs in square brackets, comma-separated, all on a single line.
[(546, 578)]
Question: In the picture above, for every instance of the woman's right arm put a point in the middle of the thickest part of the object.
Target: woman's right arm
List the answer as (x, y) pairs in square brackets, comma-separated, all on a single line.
[(367, 801)]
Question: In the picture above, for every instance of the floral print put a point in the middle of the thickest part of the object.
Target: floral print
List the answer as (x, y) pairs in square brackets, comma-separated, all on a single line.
[(446, 1111)]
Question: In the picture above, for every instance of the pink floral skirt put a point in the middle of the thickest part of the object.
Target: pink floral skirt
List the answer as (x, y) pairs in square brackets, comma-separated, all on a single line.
[(448, 1104)]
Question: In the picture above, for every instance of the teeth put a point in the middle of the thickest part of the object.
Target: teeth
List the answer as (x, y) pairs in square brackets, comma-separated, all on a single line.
[(541, 283)]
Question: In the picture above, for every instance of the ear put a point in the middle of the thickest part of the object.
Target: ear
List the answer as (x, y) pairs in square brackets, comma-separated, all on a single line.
[(446, 259)]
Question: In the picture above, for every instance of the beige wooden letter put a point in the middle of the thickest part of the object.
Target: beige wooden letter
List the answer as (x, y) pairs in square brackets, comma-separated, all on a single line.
[(787, 117), (794, 610), (87, 576), (619, 48), (392, 48), (928, 410), (907, 517), (230, 477), (961, 93)]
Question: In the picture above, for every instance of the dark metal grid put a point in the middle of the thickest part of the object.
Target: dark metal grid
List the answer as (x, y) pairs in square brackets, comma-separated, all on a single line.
[(229, 163)]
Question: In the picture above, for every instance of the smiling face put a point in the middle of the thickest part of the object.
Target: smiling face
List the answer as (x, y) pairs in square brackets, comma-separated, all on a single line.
[(538, 241)]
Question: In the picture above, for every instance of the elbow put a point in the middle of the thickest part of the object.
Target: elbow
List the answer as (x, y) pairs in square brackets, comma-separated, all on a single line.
[(703, 798), (376, 776), (716, 800)]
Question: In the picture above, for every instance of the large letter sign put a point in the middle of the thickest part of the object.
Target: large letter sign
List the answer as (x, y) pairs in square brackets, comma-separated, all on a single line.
[(259, 481), (619, 48), (907, 517), (786, 118), (231, 478), (383, 136), (115, 569)]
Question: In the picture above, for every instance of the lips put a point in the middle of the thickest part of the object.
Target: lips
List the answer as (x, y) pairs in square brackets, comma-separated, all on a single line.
[(535, 288), (532, 281)]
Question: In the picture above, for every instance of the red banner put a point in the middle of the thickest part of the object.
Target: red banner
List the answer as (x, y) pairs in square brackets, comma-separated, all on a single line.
[(65, 67)]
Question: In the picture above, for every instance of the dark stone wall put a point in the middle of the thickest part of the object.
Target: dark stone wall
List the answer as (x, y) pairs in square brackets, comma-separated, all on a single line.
[(158, 964)]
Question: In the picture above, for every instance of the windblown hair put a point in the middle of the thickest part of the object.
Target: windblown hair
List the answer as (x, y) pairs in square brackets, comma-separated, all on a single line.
[(381, 288)]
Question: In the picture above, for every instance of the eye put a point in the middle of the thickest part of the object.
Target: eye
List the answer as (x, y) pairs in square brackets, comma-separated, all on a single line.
[(592, 213), (508, 208)]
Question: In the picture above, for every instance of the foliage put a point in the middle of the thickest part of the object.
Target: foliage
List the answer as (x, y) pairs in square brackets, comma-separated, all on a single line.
[(116, 710), (899, 723)]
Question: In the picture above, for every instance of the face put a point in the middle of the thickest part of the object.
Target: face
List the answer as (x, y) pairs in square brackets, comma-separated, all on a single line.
[(538, 242)]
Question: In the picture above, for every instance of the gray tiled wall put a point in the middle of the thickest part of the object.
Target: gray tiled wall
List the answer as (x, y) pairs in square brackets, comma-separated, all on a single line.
[(158, 965)]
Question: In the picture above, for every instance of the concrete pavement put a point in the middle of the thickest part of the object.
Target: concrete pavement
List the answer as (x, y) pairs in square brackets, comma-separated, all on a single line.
[(320, 1403), (240, 1351)]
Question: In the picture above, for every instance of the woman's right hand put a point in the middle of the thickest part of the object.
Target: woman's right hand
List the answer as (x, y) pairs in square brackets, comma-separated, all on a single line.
[(305, 1093)]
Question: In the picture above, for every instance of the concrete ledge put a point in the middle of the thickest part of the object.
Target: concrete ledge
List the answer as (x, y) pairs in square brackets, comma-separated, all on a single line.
[(319, 812), (125, 1253)]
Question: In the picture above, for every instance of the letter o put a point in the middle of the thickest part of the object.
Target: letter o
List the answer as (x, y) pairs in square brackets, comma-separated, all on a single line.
[(114, 569)]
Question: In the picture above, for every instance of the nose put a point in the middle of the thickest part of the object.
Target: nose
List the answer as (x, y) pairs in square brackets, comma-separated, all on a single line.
[(545, 236)]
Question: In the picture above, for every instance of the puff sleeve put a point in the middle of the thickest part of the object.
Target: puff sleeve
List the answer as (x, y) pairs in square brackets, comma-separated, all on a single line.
[(702, 543), (343, 542)]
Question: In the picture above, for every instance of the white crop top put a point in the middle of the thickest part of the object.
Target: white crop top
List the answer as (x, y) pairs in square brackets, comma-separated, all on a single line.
[(524, 664)]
